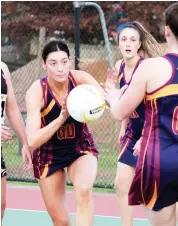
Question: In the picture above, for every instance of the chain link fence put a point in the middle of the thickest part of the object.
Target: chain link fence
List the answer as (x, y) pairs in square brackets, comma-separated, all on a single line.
[(26, 26)]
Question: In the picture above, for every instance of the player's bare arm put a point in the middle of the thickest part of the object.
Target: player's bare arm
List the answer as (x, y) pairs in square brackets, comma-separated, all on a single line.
[(131, 98), (34, 103)]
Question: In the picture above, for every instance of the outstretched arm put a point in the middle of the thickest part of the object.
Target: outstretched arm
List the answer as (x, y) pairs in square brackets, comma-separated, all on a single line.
[(15, 118), (123, 105)]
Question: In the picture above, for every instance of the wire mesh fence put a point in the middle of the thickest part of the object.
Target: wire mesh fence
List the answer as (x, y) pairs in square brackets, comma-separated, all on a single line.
[(26, 26)]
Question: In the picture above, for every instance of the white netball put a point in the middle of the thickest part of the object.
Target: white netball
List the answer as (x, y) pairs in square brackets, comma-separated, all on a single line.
[(85, 103)]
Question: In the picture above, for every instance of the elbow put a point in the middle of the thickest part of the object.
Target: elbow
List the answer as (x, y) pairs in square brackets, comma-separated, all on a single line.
[(32, 143)]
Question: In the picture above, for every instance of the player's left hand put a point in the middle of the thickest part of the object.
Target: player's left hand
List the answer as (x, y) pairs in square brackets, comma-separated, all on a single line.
[(136, 148), (112, 94), (26, 156)]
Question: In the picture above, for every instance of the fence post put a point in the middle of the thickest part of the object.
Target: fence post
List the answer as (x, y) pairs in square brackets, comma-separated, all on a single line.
[(77, 33), (104, 29), (41, 43)]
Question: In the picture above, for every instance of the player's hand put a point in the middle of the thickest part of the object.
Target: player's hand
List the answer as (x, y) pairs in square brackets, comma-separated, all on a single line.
[(121, 134), (111, 79), (6, 135), (26, 157), (112, 94), (64, 112), (136, 148)]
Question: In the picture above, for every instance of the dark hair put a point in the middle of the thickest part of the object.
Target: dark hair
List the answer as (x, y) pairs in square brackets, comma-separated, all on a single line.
[(149, 46), (171, 18), (54, 46)]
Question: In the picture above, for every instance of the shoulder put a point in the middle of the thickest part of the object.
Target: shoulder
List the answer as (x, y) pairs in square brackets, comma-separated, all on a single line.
[(78, 75), (151, 68), (34, 88), (5, 70), (118, 64), (78, 72), (34, 96), (154, 64)]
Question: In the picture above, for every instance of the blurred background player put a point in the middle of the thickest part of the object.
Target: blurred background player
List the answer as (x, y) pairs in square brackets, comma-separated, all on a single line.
[(155, 183), (59, 140), (9, 106), (135, 44)]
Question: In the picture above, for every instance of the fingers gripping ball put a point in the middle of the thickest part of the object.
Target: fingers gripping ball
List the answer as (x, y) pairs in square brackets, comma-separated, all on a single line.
[(85, 103)]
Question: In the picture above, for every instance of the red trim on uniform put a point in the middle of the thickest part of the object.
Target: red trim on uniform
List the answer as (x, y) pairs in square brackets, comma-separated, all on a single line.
[(71, 77), (43, 86), (3, 75), (136, 65)]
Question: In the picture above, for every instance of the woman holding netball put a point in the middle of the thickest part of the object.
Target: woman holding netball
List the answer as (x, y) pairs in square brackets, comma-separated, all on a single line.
[(60, 141)]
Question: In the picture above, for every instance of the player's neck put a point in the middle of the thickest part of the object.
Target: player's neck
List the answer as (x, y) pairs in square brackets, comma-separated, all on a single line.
[(130, 63), (173, 47), (58, 87)]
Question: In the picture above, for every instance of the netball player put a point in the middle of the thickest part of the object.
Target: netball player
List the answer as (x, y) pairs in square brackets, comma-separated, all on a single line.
[(9, 106), (59, 141), (155, 183), (135, 44)]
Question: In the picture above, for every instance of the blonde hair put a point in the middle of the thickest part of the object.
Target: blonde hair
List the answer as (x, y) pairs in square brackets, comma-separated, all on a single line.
[(149, 46)]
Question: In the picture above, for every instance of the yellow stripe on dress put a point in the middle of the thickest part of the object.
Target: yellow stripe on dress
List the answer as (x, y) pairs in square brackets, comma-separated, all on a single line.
[(165, 91), (86, 152), (152, 202), (45, 171), (120, 77), (48, 109)]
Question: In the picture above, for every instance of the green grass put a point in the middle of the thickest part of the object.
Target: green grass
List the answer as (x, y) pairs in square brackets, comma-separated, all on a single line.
[(11, 153), (106, 165), (68, 187)]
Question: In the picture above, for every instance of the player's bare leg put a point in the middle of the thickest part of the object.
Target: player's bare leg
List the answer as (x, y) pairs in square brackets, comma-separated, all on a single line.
[(123, 180), (53, 192), (3, 196), (82, 173), (164, 217)]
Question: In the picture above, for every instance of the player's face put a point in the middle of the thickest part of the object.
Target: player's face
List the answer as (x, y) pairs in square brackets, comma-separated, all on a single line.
[(58, 66), (129, 43)]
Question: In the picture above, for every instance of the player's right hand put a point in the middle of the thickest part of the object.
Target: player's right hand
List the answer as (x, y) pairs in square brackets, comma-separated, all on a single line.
[(111, 78), (6, 135), (64, 112)]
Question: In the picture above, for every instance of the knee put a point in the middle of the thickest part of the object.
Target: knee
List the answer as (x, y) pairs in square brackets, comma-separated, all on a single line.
[(83, 193), (3, 207), (121, 184)]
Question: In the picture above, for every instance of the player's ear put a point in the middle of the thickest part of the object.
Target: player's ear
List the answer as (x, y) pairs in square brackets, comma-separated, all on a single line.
[(43, 64), (167, 31)]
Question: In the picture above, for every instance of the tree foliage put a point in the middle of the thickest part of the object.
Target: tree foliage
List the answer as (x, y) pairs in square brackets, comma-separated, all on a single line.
[(22, 20)]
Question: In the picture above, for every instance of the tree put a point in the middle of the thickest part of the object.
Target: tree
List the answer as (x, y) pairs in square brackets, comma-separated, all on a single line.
[(22, 20)]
